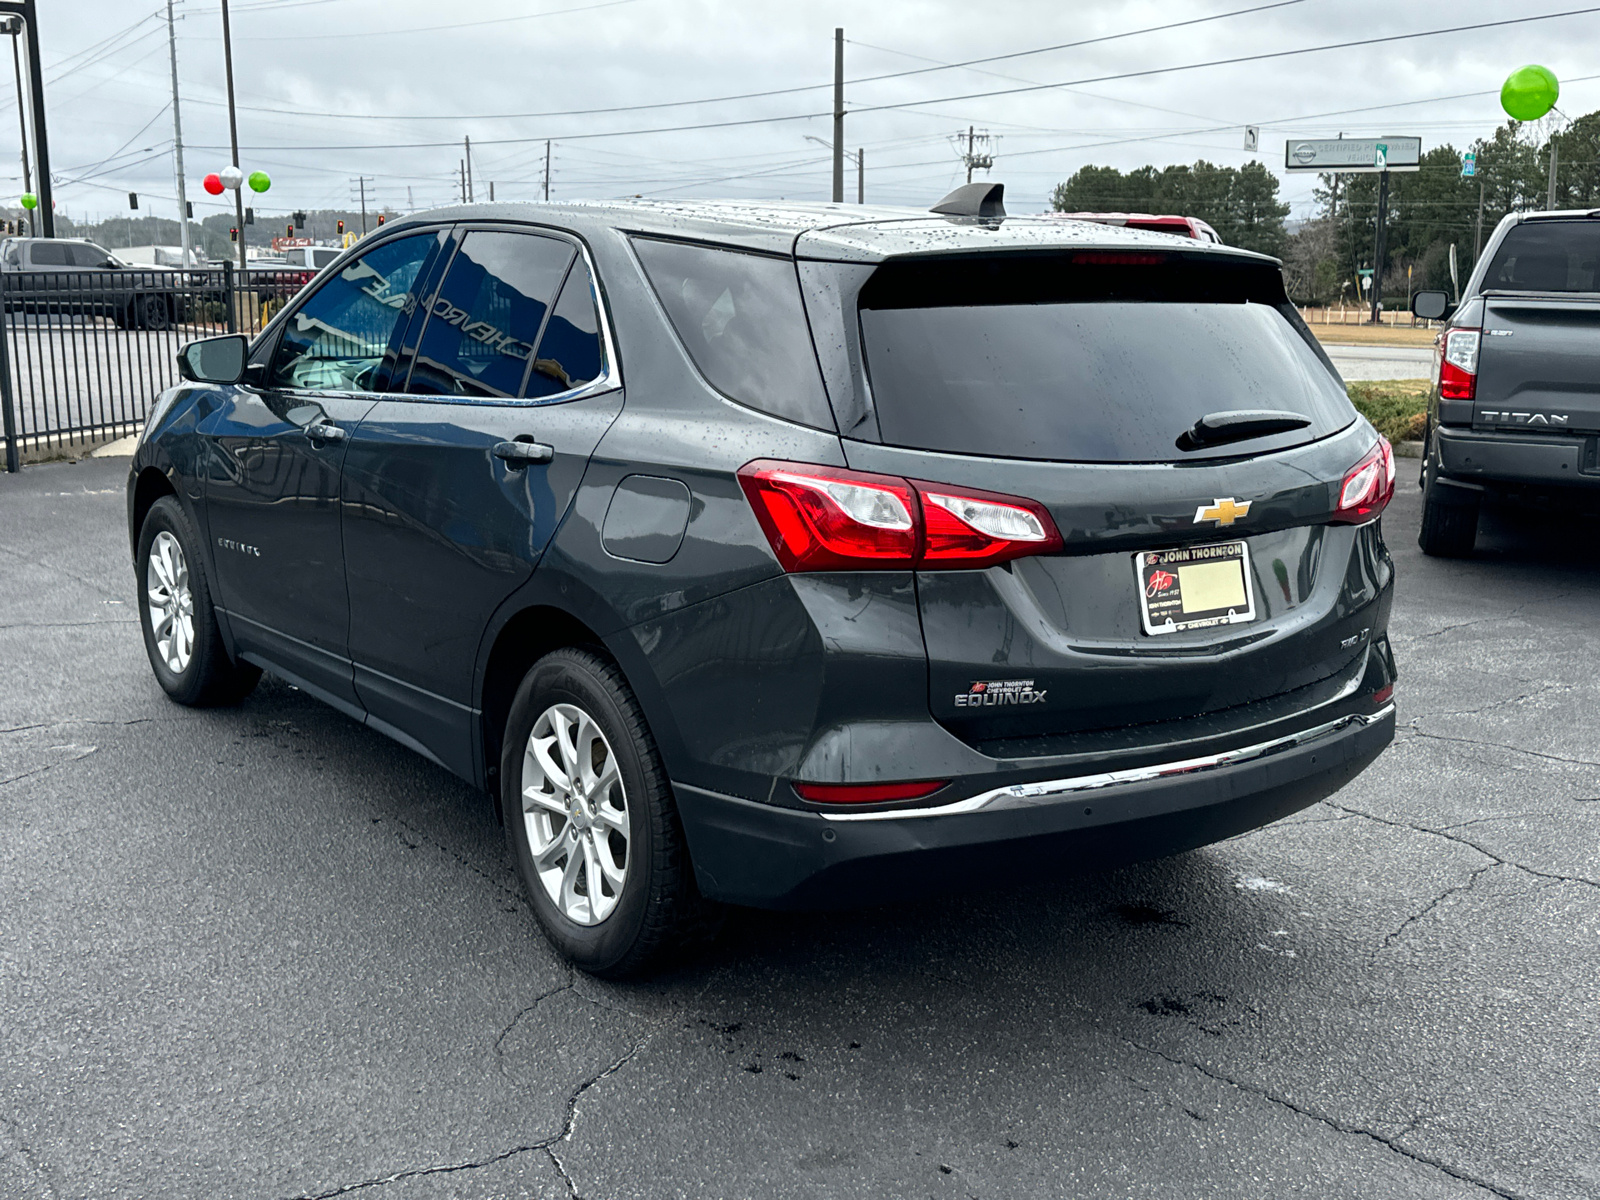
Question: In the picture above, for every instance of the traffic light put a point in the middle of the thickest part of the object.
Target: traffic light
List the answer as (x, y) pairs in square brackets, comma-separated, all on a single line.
[(341, 228), (249, 216), (133, 199), (189, 209), (382, 218), (233, 235), (290, 231), (300, 219)]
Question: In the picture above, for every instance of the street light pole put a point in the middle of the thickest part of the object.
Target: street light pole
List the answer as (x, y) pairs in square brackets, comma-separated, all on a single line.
[(26, 10), (233, 131), (14, 27), (838, 116), (177, 138)]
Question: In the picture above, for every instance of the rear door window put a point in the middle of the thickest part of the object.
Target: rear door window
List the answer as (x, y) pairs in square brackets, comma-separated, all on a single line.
[(1085, 358), (49, 254), (741, 319), (1547, 256), (484, 321)]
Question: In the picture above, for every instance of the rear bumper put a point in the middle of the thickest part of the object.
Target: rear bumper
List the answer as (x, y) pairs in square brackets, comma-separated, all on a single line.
[(1470, 455), (769, 857)]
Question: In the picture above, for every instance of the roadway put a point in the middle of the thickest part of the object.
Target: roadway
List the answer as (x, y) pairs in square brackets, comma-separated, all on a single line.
[(265, 951)]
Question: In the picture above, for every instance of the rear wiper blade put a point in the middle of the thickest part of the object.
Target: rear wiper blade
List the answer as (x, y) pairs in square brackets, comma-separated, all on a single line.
[(1220, 428)]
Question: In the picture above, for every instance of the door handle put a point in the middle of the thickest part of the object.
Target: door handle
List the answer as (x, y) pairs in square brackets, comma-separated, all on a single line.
[(326, 431), (517, 455)]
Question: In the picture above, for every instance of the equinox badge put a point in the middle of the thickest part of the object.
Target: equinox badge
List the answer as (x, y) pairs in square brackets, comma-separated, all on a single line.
[(1224, 511)]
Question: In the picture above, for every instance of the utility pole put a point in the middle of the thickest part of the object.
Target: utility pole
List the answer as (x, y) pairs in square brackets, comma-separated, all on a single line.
[(838, 116), (491, 191), (233, 131), (177, 137), (861, 176), (1477, 238), (970, 147), (411, 205), (13, 26), (461, 171), (467, 166), (1379, 240), (1554, 153), (547, 168), (361, 183)]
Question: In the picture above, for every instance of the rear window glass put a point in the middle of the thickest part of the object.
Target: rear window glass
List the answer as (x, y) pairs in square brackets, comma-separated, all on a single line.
[(740, 318), (1546, 256), (1109, 361)]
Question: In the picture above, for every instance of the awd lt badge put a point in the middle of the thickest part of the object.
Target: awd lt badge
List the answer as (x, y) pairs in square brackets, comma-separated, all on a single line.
[(1224, 511)]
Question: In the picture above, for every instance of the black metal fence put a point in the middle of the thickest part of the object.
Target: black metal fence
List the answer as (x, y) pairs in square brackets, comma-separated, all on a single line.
[(84, 354)]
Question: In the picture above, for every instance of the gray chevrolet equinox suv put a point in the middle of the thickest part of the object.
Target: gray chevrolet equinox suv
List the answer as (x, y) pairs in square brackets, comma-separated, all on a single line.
[(788, 556)]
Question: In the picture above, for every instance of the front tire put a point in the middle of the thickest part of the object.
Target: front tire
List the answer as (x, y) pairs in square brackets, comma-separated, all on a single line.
[(178, 618), (591, 821)]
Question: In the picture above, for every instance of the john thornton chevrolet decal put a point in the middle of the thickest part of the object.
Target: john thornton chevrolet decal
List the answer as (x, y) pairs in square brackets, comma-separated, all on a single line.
[(987, 693)]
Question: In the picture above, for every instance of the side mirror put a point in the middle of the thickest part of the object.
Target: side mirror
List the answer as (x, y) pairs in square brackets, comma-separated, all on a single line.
[(214, 360), (1432, 306)]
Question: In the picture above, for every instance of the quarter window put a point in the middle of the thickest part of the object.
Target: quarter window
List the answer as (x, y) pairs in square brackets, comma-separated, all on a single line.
[(570, 352), (485, 319), (337, 339), (740, 318)]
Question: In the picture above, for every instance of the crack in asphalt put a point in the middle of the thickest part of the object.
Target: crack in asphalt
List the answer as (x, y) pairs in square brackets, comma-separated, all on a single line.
[(544, 1144), (1455, 889), (26, 1153), (1465, 741), (1471, 845), (522, 1012), (59, 570), (60, 624), (62, 762), (1332, 1122), (513, 893), (1470, 712)]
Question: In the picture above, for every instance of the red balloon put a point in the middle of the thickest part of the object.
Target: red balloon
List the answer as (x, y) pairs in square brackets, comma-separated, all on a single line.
[(212, 183)]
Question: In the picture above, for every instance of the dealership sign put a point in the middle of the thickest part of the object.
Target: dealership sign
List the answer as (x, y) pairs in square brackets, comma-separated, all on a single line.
[(1354, 155)]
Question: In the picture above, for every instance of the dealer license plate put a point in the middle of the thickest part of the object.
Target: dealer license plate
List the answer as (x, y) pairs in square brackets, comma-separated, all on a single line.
[(1195, 587)]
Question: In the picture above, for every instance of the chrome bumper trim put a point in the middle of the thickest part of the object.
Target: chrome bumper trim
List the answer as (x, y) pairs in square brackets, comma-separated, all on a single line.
[(1051, 789)]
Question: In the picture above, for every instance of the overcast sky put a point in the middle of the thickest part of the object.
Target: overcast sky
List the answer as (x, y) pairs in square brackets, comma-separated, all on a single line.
[(332, 89)]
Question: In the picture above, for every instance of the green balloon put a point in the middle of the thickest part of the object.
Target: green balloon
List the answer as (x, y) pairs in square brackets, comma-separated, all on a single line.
[(260, 181), (30, 201), (1529, 92)]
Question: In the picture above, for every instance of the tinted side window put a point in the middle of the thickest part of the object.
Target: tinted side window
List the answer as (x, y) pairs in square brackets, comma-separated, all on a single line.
[(87, 254), (741, 320), (336, 339), (485, 318), (1547, 256), (570, 352), (49, 254)]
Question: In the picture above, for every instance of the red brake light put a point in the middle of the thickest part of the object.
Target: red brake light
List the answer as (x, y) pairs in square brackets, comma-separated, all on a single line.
[(824, 518), (1117, 258), (867, 793), (1367, 486), (1458, 363)]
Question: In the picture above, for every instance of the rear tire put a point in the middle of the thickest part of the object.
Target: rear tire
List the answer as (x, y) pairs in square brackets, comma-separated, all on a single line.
[(178, 618), (1449, 516), (575, 718)]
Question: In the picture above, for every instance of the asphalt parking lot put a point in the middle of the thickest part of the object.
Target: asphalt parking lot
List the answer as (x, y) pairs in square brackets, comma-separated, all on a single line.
[(264, 952)]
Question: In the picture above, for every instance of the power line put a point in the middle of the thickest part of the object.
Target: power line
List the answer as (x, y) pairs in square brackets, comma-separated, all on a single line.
[(368, 33), (786, 91), (1234, 61)]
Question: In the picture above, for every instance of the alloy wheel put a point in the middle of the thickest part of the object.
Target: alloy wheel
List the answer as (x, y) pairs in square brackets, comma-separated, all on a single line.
[(575, 811), (171, 602)]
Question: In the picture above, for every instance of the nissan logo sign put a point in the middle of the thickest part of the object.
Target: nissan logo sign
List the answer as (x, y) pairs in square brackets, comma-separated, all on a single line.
[(1305, 154)]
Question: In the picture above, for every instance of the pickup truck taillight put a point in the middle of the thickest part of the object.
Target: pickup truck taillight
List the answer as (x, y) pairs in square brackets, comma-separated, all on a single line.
[(1458, 364)]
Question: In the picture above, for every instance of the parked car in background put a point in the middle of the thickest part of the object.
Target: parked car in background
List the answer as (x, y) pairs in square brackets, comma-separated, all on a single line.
[(1515, 407), (74, 276), (1093, 571), (1189, 227)]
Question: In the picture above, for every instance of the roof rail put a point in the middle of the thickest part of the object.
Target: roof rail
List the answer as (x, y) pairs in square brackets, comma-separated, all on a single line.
[(973, 200)]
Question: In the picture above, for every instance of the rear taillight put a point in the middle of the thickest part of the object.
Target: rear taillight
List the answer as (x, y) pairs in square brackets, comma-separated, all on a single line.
[(1367, 486), (1458, 364), (827, 519), (867, 793)]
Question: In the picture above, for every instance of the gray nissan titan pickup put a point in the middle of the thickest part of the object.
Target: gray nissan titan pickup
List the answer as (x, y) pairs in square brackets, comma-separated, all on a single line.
[(1515, 407)]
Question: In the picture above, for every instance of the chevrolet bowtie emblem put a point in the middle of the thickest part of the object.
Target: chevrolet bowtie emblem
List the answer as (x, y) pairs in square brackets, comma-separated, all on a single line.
[(1223, 512)]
